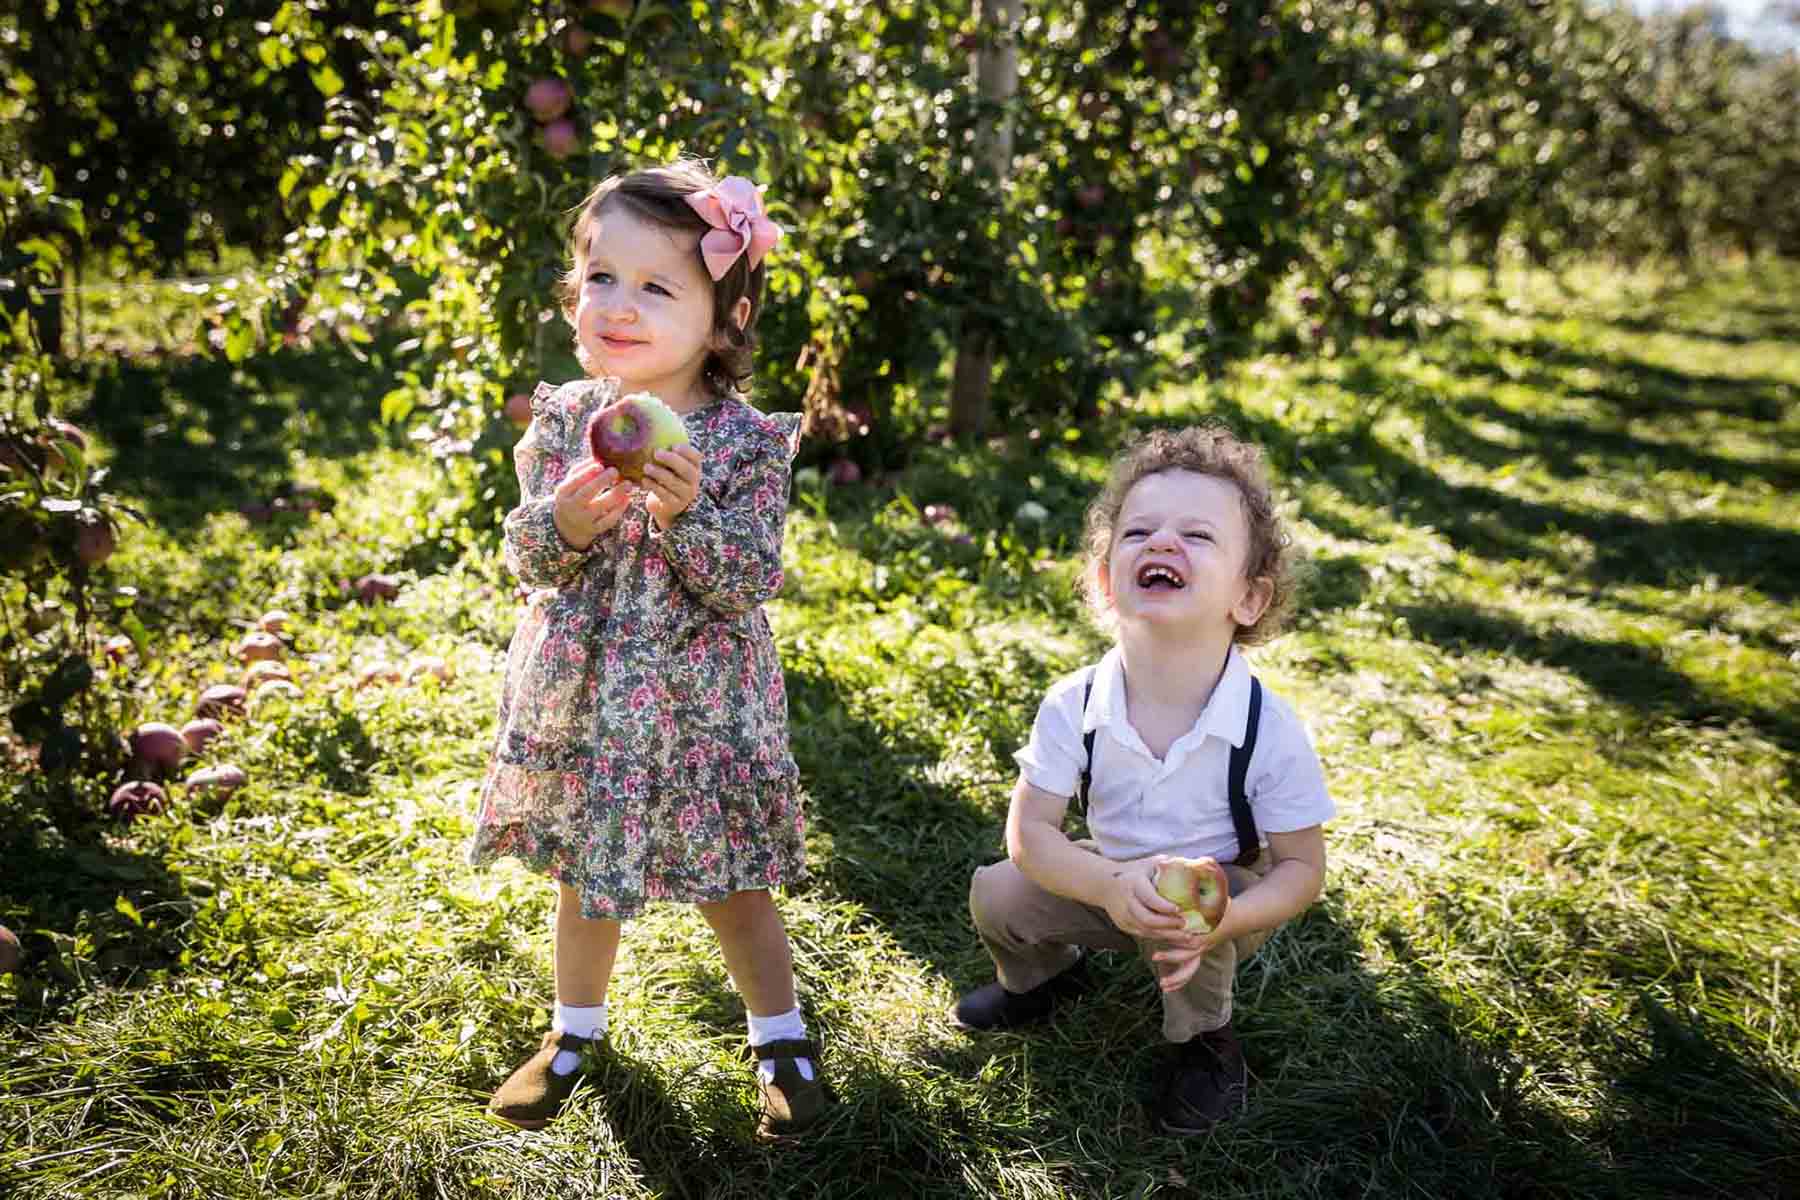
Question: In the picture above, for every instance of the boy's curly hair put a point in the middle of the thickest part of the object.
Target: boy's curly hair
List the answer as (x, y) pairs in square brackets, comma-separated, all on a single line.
[(1205, 450), (659, 195)]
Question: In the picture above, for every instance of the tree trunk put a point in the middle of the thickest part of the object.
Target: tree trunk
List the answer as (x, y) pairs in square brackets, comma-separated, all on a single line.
[(995, 63)]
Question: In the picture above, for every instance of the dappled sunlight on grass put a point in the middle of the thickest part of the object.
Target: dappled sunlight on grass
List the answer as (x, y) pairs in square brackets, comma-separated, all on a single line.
[(1546, 648)]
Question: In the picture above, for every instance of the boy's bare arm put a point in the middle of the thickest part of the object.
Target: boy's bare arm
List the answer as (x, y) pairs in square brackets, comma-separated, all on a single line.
[(1044, 854)]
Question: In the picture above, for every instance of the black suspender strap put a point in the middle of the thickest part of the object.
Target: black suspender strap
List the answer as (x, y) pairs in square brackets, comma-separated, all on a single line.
[(1241, 818), (1087, 746)]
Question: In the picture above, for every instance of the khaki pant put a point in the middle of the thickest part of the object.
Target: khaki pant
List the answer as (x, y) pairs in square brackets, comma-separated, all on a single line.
[(1032, 935)]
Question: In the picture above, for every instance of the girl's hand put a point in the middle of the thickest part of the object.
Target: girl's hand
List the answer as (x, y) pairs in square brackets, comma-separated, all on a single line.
[(589, 502), (1137, 908), (673, 477)]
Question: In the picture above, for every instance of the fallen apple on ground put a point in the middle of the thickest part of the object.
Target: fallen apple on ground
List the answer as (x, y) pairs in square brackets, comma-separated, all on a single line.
[(156, 749), (372, 589), (264, 671), (221, 700), (135, 798), (259, 646), (198, 732), (627, 433), (1198, 887), (224, 779)]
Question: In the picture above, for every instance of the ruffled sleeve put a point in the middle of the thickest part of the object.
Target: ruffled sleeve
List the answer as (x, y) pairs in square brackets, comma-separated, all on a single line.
[(535, 550), (726, 546)]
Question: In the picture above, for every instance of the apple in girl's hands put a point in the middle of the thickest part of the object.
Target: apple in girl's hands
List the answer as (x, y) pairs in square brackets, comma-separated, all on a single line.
[(1198, 887), (626, 434)]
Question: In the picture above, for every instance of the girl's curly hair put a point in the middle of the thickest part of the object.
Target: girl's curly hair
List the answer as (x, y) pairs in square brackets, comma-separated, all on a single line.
[(1205, 450), (659, 195)]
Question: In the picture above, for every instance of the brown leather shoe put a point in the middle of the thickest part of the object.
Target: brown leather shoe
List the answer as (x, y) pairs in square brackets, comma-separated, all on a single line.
[(791, 1103), (534, 1094), (1210, 1082)]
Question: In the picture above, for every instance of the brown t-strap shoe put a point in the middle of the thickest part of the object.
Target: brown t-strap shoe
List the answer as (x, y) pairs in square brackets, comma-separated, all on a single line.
[(534, 1094), (791, 1103)]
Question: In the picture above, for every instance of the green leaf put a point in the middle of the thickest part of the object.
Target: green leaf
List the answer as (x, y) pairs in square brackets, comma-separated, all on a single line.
[(328, 81), (128, 910), (44, 249)]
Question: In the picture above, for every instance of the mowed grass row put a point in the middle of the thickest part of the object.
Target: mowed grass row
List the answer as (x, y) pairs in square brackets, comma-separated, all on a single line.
[(1547, 649)]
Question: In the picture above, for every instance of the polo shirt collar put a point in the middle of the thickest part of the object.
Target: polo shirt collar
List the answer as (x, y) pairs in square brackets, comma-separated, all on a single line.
[(1224, 715)]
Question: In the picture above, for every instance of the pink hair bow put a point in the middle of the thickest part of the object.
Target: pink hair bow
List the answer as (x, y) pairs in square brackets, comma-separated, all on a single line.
[(733, 207)]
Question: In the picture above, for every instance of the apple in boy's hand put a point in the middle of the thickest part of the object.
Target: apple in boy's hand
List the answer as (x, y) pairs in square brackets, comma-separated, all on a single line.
[(1198, 887), (627, 433)]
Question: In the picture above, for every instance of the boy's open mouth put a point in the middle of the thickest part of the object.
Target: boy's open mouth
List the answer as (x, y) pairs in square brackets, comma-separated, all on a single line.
[(1156, 575)]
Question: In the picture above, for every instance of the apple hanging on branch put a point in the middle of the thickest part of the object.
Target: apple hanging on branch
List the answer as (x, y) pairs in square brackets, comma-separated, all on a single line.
[(1198, 887), (627, 433)]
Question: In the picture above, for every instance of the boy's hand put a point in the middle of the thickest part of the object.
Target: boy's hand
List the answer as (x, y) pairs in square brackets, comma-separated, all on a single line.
[(673, 477), (1135, 905), (589, 502), (1176, 962)]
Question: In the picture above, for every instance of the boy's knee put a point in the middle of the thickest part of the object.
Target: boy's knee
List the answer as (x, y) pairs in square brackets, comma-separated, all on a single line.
[(993, 891)]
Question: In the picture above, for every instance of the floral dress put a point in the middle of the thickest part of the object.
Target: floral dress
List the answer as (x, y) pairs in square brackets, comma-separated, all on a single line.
[(642, 751)]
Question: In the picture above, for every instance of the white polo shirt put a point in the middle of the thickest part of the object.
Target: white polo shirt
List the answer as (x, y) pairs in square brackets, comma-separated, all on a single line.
[(1139, 804)]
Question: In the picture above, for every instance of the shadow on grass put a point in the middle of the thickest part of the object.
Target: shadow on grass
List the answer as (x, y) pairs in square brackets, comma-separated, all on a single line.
[(1691, 1108), (63, 899), (1632, 385), (191, 434), (1563, 443), (1627, 674)]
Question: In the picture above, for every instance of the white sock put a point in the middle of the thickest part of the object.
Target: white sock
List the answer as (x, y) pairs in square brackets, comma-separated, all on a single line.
[(587, 1021), (779, 1026)]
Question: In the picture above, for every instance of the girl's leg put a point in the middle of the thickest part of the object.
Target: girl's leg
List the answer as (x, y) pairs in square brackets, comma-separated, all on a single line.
[(755, 945), (585, 950)]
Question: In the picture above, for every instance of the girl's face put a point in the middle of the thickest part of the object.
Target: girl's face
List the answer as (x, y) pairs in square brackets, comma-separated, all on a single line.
[(645, 308), (1177, 558)]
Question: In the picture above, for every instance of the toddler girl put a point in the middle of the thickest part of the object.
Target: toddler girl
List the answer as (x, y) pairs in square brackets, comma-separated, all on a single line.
[(642, 751)]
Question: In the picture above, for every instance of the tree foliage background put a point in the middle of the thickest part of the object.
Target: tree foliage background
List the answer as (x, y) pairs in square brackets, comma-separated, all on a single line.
[(1217, 171)]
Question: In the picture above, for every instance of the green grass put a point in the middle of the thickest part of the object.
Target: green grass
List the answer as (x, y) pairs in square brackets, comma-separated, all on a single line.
[(1548, 650)]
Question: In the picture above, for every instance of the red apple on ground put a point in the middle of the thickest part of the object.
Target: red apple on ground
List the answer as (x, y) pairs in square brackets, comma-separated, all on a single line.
[(628, 432), (274, 689), (376, 674), (1198, 887), (548, 99), (518, 409), (11, 953), (264, 671), (135, 798), (371, 589), (259, 646), (198, 732), (561, 138), (429, 664), (156, 749), (220, 701), (223, 779)]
